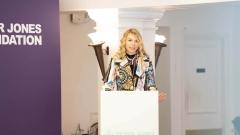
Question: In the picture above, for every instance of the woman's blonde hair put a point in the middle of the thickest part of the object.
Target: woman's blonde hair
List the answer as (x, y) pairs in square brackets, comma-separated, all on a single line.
[(121, 53)]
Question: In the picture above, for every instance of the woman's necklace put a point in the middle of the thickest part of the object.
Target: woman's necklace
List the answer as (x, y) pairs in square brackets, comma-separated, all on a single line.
[(131, 58)]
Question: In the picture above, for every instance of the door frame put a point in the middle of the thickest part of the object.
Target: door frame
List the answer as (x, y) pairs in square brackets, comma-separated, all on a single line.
[(177, 93)]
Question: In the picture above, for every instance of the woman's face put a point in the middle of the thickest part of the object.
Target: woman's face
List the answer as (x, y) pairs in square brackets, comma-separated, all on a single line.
[(131, 44)]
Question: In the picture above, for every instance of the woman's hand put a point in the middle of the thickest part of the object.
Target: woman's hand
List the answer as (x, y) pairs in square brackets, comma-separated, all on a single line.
[(162, 96)]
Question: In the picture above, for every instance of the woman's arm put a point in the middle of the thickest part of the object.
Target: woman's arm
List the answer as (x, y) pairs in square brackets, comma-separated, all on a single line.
[(150, 83), (150, 79)]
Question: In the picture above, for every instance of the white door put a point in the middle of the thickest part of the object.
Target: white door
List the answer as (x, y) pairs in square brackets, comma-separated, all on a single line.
[(203, 83)]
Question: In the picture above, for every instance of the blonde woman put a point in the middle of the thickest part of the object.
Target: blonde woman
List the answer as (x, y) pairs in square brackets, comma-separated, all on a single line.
[(130, 69)]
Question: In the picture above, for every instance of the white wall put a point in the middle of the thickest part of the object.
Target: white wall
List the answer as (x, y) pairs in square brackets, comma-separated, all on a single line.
[(236, 62), (216, 20), (79, 72)]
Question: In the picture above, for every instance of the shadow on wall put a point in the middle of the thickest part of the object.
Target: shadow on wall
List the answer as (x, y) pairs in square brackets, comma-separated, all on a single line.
[(204, 132), (163, 82)]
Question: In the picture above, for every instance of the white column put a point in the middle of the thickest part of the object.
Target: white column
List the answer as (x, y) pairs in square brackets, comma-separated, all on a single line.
[(145, 22)]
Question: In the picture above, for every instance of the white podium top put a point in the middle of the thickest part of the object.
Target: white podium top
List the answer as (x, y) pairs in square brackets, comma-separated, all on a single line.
[(129, 113)]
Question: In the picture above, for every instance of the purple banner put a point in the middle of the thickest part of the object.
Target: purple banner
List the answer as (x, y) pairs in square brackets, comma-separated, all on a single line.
[(30, 93)]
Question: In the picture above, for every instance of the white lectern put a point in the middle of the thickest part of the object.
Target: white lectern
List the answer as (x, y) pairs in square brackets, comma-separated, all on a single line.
[(129, 113)]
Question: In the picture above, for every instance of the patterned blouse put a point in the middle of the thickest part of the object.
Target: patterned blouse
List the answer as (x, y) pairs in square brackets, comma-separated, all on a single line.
[(130, 75)]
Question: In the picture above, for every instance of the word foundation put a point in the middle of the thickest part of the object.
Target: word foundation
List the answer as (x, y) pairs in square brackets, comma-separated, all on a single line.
[(20, 39)]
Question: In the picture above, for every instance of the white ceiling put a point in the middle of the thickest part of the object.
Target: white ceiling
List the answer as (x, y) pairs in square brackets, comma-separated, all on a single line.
[(73, 5), (179, 7)]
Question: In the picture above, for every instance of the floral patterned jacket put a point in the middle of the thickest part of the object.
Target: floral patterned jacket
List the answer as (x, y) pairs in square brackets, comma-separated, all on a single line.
[(119, 75)]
